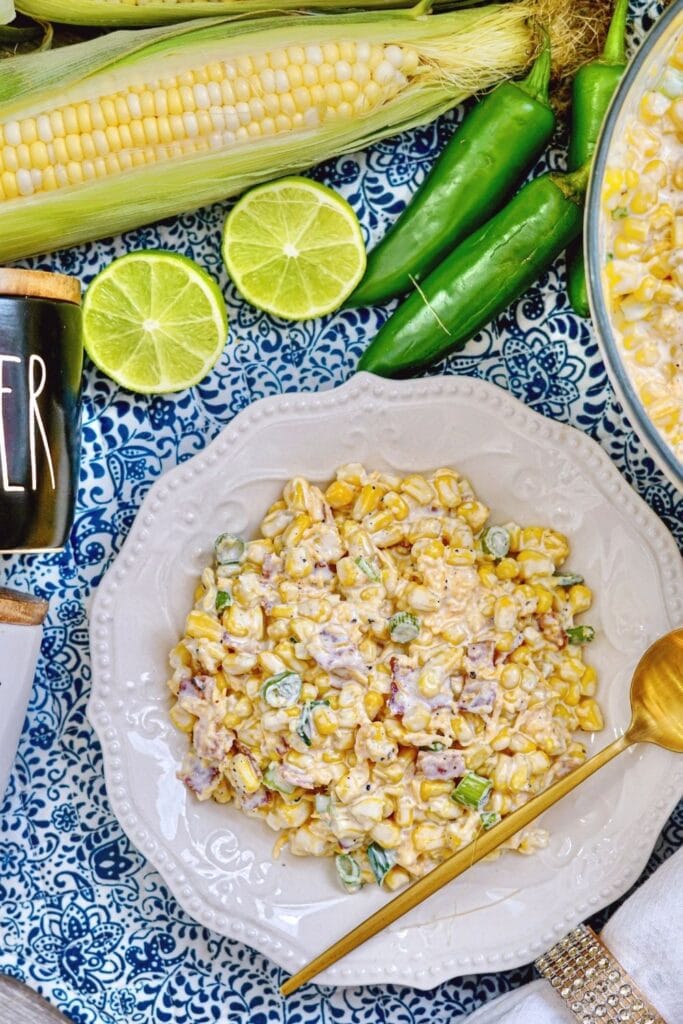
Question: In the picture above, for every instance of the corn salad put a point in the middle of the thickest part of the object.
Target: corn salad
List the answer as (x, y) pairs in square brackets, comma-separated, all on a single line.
[(380, 675), (643, 198)]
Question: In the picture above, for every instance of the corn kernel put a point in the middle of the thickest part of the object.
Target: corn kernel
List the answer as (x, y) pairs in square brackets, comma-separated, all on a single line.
[(434, 787), (589, 681), (417, 718), (200, 625), (544, 599), (421, 599), (387, 834), (505, 613), (447, 490), (589, 715), (404, 812), (580, 598), (511, 676), (243, 773), (521, 744), (367, 501), (573, 694), (419, 488), (644, 199), (428, 837), (396, 505), (507, 569), (325, 720), (182, 719), (395, 878)]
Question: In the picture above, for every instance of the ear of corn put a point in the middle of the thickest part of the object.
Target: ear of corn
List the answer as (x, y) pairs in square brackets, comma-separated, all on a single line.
[(119, 131)]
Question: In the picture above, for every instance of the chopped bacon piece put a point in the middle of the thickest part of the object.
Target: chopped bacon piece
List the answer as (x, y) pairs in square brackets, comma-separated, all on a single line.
[(441, 764), (258, 799), (478, 696), (197, 776), (480, 655)]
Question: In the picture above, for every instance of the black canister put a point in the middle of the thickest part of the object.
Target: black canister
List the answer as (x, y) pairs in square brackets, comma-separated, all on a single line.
[(41, 363)]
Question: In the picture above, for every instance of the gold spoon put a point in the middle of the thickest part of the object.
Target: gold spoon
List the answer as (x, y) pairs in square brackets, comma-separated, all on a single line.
[(656, 717)]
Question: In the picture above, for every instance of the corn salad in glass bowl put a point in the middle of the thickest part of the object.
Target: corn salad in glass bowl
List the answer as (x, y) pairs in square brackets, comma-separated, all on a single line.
[(381, 675), (636, 265)]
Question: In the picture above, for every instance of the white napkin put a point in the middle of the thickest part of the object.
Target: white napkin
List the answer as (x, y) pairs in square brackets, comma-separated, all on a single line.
[(645, 935)]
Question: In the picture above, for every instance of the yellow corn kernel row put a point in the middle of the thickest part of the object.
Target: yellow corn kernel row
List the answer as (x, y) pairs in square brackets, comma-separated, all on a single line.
[(206, 108)]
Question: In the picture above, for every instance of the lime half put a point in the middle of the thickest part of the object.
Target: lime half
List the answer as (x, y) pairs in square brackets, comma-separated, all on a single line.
[(294, 248), (154, 322)]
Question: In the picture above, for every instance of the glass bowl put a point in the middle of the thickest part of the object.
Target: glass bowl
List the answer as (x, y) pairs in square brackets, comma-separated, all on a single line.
[(640, 75)]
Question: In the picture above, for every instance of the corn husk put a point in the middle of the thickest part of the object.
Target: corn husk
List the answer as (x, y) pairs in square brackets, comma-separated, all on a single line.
[(119, 14), (461, 52)]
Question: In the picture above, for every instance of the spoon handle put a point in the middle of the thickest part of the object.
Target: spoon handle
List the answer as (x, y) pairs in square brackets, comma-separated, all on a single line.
[(430, 883)]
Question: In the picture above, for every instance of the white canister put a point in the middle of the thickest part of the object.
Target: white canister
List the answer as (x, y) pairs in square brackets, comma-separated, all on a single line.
[(21, 630)]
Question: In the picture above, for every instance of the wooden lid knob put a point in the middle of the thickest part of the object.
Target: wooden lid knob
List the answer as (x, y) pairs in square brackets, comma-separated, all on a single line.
[(39, 284), (21, 609)]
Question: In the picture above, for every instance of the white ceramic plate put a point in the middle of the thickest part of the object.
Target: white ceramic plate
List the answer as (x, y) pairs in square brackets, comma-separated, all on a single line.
[(218, 863)]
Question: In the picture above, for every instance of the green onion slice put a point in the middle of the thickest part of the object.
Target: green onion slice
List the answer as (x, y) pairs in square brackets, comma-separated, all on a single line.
[(272, 780), (580, 634), (370, 570), (305, 724), (229, 550), (322, 803), (489, 819), (495, 541), (223, 600), (282, 690), (404, 627), (567, 579), (381, 861), (472, 791), (348, 870), (437, 746)]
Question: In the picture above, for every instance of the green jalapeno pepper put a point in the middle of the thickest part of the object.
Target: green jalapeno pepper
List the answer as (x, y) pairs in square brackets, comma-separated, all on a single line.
[(479, 279), (481, 166), (592, 90)]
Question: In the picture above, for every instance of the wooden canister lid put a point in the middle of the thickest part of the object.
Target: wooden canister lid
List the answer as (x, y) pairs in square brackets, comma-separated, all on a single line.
[(21, 609), (39, 284)]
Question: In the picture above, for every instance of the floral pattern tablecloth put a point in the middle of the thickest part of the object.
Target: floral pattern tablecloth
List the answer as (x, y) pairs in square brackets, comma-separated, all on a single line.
[(83, 918)]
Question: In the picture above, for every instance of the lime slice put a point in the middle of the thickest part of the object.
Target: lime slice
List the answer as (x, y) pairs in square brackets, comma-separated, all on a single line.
[(294, 248), (154, 322)]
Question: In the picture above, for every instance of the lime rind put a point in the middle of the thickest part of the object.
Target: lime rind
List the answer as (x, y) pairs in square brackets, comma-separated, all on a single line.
[(188, 312), (328, 258)]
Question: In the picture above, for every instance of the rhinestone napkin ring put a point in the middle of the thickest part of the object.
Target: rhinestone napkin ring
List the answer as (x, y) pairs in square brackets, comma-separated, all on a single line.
[(592, 983)]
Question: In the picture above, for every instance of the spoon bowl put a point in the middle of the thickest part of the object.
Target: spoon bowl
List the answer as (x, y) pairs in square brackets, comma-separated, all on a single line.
[(657, 695)]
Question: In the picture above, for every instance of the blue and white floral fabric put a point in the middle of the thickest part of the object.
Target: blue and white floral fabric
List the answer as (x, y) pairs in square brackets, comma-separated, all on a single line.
[(83, 918)]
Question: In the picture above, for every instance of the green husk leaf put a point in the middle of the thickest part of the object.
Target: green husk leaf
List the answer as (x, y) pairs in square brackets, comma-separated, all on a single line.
[(107, 14), (461, 52)]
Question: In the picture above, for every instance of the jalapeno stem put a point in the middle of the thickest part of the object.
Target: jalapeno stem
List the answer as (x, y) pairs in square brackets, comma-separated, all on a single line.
[(614, 51), (574, 184), (537, 82)]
